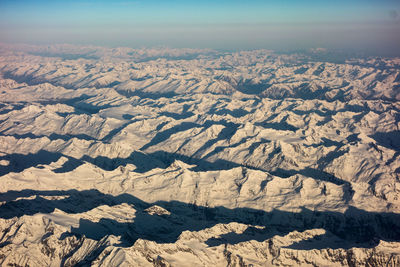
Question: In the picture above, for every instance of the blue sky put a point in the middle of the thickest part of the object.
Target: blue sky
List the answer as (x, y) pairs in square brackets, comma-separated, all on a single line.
[(234, 24)]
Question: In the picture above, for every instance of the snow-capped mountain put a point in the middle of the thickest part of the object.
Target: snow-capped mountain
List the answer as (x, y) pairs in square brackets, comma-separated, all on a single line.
[(192, 157)]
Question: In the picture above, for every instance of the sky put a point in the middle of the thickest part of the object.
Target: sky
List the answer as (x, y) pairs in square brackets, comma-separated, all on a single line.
[(369, 25)]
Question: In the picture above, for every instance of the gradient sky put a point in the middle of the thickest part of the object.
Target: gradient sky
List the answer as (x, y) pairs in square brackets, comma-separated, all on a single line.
[(371, 25)]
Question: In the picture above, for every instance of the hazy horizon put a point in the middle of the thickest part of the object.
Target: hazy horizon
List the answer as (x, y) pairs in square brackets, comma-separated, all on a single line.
[(365, 26)]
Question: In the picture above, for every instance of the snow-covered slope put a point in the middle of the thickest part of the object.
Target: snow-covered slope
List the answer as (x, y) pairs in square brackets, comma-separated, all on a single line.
[(169, 157)]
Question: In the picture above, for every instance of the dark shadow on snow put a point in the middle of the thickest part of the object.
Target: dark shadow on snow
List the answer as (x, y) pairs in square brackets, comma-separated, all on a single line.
[(228, 131), (177, 116), (20, 162), (389, 140)]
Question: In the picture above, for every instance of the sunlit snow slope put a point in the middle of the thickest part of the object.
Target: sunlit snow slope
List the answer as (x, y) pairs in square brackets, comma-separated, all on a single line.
[(186, 157)]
